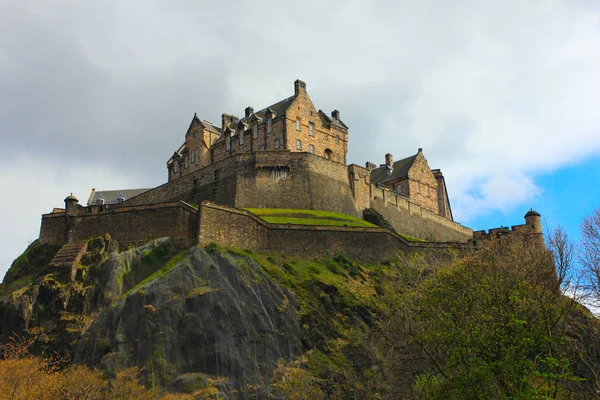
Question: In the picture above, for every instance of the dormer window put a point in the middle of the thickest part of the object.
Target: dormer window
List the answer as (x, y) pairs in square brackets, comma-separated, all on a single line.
[(298, 125), (269, 125), (255, 131), (100, 201), (120, 199)]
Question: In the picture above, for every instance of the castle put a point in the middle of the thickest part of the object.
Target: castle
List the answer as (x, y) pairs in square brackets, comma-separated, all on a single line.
[(288, 156)]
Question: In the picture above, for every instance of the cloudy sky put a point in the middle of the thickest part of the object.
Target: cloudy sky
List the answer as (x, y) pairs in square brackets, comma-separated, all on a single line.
[(503, 96)]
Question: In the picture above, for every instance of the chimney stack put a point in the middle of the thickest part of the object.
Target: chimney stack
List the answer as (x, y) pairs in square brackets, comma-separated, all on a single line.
[(336, 115), (226, 119), (299, 86), (249, 111), (389, 160)]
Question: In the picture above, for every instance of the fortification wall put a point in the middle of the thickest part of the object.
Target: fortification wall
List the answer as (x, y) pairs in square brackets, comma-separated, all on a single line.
[(295, 180), (53, 229), (128, 225), (238, 228), (267, 179), (413, 220), (216, 182)]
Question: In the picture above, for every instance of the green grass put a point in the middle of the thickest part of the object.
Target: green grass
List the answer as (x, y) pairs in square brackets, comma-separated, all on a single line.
[(410, 238), (307, 217)]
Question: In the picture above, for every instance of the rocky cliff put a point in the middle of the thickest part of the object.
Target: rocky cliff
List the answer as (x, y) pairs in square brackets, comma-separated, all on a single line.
[(267, 326)]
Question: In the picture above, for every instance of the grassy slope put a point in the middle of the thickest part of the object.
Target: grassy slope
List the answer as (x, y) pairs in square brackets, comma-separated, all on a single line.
[(307, 217)]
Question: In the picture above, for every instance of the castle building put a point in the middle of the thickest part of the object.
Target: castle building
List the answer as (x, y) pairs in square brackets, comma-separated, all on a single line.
[(288, 155), (292, 124)]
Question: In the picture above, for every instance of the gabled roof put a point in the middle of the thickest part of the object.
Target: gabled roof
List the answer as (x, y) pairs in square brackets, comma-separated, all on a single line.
[(401, 167), (110, 196), (205, 124), (333, 121)]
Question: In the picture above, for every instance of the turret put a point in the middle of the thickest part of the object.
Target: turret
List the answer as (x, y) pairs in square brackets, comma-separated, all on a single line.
[(532, 219), (71, 205)]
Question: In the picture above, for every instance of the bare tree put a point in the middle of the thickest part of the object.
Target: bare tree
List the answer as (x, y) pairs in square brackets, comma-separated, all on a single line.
[(590, 253), (563, 251)]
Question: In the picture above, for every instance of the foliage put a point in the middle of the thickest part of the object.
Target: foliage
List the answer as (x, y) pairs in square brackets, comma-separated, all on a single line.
[(488, 325), (291, 381)]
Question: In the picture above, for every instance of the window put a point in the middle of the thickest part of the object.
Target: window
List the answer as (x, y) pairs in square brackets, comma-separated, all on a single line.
[(418, 187), (176, 162), (337, 140), (197, 156), (261, 147), (427, 190), (228, 142), (219, 151), (186, 161), (311, 148), (99, 201), (311, 129), (399, 188), (255, 131), (269, 125), (193, 156), (298, 126), (277, 144), (120, 199), (241, 136), (299, 144)]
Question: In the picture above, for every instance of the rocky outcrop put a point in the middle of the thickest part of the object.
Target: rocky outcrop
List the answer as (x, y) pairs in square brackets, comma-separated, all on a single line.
[(207, 313)]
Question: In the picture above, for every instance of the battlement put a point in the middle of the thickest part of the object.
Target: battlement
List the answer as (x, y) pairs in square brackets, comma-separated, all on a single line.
[(531, 228)]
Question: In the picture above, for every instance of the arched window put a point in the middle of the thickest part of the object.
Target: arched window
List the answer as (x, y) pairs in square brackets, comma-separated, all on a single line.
[(328, 154)]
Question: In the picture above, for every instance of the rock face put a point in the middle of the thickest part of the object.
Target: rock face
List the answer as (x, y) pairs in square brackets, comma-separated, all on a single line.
[(185, 318), (213, 314)]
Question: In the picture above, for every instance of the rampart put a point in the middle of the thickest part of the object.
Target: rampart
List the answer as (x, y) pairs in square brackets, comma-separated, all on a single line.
[(239, 228), (412, 219), (263, 179), (128, 225)]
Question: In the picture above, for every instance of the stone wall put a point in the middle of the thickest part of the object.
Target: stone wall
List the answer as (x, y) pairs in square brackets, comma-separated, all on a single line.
[(53, 229), (241, 229), (279, 179), (128, 225), (411, 219)]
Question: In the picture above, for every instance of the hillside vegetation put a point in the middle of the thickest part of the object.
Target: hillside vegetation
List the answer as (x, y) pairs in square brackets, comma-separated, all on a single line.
[(227, 323)]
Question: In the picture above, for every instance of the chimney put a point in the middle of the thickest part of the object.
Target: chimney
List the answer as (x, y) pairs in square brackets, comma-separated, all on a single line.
[(299, 86), (370, 166), (249, 111), (389, 160), (336, 115), (226, 119)]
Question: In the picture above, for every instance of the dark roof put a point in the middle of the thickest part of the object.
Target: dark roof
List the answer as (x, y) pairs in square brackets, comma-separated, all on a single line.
[(333, 121), (532, 213), (401, 167), (110, 196), (277, 109)]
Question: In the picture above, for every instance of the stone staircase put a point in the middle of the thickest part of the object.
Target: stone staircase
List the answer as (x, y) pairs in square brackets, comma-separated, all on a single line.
[(68, 257)]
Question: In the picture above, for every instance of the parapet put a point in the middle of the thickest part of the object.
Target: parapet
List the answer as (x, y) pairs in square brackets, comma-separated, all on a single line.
[(531, 227)]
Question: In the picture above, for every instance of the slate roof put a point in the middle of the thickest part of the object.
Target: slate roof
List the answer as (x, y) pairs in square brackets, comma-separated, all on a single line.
[(277, 109), (401, 167), (333, 121), (110, 196)]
